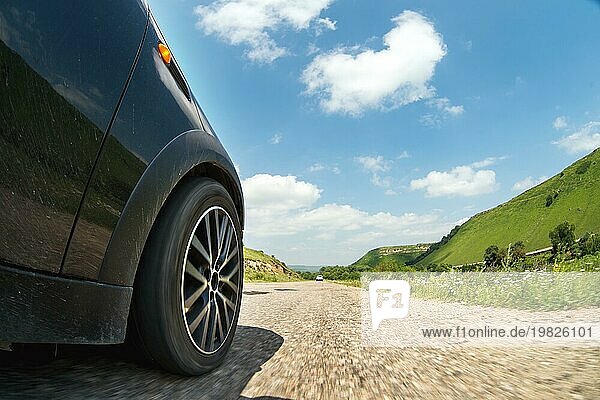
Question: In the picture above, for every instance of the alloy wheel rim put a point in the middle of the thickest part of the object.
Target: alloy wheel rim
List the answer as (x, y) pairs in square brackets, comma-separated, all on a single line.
[(210, 282)]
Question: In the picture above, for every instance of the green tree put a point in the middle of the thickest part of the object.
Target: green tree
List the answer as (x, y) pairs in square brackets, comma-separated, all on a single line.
[(513, 257), (493, 258), (308, 275), (518, 250), (563, 239), (516, 257)]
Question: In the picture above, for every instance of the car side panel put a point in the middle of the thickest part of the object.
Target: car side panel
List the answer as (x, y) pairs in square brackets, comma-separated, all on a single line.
[(155, 111), (63, 66)]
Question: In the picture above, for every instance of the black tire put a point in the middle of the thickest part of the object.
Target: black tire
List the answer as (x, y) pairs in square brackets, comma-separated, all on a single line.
[(159, 317)]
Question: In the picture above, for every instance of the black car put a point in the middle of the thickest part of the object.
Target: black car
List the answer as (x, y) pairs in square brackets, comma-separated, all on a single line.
[(120, 210)]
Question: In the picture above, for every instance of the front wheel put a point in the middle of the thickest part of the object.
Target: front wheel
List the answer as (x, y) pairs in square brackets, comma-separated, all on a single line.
[(187, 294)]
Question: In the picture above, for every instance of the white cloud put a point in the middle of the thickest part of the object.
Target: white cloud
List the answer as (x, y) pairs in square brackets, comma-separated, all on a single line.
[(463, 180), (323, 24), (252, 22), (443, 109), (527, 183), (276, 192), (404, 154), (560, 122), (373, 163), (486, 162), (384, 182), (283, 218), (312, 49), (316, 167), (444, 105), (582, 141), (276, 138), (352, 81)]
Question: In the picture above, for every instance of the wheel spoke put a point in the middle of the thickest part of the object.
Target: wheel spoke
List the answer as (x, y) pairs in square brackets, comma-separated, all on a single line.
[(198, 246), (232, 273), (194, 325), (227, 245), (189, 302), (219, 323), (229, 257), (193, 271), (221, 225), (232, 285), (205, 329), (213, 331), (217, 235), (227, 302), (226, 311), (208, 239)]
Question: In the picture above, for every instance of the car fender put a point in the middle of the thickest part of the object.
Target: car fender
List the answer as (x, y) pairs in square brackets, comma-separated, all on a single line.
[(194, 152)]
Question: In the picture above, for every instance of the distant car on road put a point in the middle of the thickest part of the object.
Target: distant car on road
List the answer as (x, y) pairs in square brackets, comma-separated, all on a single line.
[(121, 211), (319, 278)]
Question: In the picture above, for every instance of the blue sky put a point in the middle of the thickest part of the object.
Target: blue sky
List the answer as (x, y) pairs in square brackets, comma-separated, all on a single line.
[(358, 124)]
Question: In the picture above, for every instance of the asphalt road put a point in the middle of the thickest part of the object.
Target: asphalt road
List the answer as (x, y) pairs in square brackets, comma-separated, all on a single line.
[(303, 341)]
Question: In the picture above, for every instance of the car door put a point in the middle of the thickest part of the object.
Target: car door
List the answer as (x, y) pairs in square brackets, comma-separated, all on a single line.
[(63, 69)]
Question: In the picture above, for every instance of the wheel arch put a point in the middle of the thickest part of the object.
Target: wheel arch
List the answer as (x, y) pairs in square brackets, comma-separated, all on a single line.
[(191, 154)]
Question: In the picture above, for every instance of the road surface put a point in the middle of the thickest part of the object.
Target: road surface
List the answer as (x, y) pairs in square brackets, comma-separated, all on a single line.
[(302, 341)]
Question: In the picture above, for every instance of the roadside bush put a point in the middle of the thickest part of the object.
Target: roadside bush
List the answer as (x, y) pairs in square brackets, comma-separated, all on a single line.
[(549, 200), (563, 239), (261, 276), (509, 259), (513, 257), (342, 273), (589, 244), (517, 251), (433, 267), (475, 267), (587, 263), (309, 276), (539, 262)]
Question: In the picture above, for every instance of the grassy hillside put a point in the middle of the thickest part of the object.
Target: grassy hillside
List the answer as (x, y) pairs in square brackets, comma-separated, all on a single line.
[(391, 255), (259, 266), (382, 259), (570, 196)]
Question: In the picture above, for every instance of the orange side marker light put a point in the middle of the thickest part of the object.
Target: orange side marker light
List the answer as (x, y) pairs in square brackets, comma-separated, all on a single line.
[(165, 53)]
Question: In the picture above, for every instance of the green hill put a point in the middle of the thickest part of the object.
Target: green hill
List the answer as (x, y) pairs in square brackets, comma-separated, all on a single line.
[(573, 195), (259, 266), (391, 255)]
